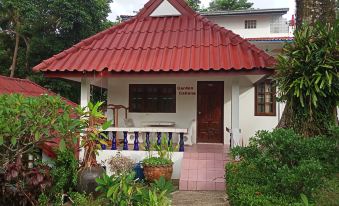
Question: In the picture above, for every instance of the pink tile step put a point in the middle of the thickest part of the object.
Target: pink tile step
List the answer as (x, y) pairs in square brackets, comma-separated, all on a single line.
[(193, 175), (203, 167), (184, 175), (183, 185), (220, 186), (192, 185), (193, 165)]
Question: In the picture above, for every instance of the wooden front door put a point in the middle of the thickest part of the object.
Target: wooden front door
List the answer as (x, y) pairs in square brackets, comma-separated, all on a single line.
[(210, 112)]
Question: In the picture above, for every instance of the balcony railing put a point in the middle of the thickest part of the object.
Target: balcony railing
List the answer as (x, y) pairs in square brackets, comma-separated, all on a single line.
[(147, 131)]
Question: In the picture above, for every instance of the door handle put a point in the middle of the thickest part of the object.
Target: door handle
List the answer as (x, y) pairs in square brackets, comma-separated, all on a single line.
[(199, 113)]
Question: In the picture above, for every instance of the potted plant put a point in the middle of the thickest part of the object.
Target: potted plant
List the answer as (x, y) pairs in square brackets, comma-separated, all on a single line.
[(91, 141), (160, 165)]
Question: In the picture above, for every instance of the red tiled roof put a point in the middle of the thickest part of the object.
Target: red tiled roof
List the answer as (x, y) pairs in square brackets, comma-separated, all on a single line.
[(271, 39), (188, 42), (25, 87)]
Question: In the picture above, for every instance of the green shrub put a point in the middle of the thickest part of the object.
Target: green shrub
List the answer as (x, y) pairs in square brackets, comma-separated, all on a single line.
[(277, 167), (80, 199), (64, 173), (27, 123), (123, 190), (328, 194)]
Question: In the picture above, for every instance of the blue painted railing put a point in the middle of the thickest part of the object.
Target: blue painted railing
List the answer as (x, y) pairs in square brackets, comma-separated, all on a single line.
[(113, 138)]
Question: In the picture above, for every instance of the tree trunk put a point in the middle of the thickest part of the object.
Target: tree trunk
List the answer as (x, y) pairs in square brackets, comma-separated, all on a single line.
[(15, 55), (312, 11), (28, 48)]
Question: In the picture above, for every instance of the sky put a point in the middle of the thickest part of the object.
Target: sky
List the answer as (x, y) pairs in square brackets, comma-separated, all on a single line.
[(127, 7)]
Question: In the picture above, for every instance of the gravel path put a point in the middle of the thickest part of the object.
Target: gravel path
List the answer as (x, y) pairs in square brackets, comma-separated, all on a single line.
[(199, 198)]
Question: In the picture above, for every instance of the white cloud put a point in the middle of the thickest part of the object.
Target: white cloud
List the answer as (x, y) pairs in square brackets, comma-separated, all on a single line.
[(128, 7)]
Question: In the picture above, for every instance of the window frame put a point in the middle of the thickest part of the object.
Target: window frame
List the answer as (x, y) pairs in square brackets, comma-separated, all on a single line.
[(157, 111), (274, 102), (252, 22)]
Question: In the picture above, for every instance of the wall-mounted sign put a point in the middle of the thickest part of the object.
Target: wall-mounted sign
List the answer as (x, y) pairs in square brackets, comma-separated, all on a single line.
[(186, 90)]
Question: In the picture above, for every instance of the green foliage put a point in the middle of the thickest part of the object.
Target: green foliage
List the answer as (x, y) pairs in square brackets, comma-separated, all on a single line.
[(121, 190), (194, 4), (308, 79), (46, 28), (125, 190), (277, 167), (64, 173), (162, 185), (217, 5), (328, 194), (156, 161), (80, 199), (93, 136), (28, 122), (164, 152)]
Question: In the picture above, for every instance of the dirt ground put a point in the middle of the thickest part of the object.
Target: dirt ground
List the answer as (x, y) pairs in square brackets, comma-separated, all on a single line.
[(199, 198)]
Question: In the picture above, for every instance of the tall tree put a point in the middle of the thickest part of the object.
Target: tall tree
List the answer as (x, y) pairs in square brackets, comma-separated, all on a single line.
[(14, 21), (46, 28), (314, 117), (194, 4), (229, 5)]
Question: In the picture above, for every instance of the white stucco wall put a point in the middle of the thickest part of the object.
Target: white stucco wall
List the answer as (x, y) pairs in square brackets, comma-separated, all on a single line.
[(118, 93), (237, 25)]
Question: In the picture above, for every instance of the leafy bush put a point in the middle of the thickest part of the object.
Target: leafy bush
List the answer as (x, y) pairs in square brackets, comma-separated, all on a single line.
[(123, 190), (308, 80), (328, 194), (81, 199), (64, 177), (26, 123), (162, 185), (277, 167), (164, 150)]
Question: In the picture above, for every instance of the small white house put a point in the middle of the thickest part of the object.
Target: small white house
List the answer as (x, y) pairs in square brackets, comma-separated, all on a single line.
[(177, 72), (268, 29)]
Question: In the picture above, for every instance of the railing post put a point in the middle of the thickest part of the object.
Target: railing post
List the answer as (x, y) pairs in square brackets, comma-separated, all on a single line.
[(170, 138), (147, 141), (159, 138), (125, 141), (136, 141), (114, 141), (181, 143), (103, 146)]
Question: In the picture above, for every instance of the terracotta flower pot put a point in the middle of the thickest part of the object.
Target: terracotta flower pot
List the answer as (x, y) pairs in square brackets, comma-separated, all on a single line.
[(155, 172)]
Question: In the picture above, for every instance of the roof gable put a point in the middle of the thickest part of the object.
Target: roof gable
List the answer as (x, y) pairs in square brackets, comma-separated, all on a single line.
[(188, 42), (165, 9)]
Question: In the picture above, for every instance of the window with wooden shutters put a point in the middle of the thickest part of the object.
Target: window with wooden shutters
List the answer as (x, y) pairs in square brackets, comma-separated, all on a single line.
[(265, 101), (152, 98)]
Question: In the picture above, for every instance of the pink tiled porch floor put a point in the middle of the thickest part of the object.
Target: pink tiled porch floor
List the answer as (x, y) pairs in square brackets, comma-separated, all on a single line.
[(203, 167)]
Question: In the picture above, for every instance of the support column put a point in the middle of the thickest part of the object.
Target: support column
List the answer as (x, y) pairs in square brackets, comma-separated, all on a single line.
[(235, 141), (85, 96)]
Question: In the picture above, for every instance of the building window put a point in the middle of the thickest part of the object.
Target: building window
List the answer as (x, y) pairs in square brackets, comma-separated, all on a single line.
[(250, 24), (279, 25), (152, 98), (265, 102)]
